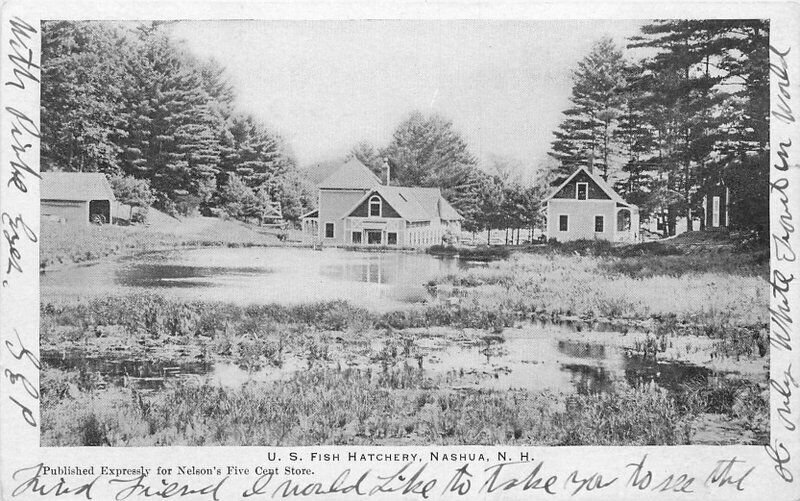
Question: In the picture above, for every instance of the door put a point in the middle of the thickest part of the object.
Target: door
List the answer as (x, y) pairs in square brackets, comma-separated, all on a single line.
[(100, 211)]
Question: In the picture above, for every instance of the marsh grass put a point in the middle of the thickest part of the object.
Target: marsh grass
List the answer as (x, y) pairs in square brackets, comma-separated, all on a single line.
[(744, 401), (352, 406), (558, 285), (755, 264), (223, 326)]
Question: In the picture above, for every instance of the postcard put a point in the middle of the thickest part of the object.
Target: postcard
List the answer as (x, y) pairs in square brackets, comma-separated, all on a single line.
[(439, 250)]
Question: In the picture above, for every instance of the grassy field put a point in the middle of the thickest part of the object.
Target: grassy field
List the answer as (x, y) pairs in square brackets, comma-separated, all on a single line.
[(64, 245), (362, 378)]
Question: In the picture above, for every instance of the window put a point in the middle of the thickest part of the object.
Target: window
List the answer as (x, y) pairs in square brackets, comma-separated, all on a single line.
[(598, 224), (581, 191), (356, 237), (391, 239), (624, 220), (328, 230), (563, 222), (715, 212), (375, 206)]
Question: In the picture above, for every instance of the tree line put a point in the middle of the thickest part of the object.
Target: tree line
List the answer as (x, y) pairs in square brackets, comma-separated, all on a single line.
[(129, 101), (691, 114)]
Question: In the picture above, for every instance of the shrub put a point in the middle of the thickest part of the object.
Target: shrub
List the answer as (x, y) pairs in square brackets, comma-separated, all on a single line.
[(440, 249), (481, 253), (632, 416), (484, 253)]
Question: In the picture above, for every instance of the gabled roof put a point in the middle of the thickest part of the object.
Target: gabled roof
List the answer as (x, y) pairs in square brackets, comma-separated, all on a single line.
[(75, 186), (319, 171), (607, 189), (433, 202), (351, 175), (414, 204)]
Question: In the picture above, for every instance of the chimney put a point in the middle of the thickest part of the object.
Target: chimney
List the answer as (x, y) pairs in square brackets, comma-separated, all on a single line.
[(388, 170), (591, 162)]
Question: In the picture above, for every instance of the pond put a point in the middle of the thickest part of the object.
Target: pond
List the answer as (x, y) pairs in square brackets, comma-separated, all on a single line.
[(536, 357), (530, 358), (286, 275)]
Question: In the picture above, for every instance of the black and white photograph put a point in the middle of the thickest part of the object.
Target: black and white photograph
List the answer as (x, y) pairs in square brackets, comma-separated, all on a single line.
[(399, 232)]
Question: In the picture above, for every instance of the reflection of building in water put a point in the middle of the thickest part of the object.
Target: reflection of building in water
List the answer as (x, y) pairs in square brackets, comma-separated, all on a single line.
[(356, 209), (376, 269), (582, 350), (673, 376), (589, 379)]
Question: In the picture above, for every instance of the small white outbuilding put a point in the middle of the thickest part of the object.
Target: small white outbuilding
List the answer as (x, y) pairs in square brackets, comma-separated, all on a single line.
[(584, 206)]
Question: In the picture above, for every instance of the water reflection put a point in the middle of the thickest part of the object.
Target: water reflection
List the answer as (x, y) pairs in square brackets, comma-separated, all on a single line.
[(388, 268), (531, 363), (140, 374), (379, 281), (589, 379), (582, 350), (672, 376), (171, 275)]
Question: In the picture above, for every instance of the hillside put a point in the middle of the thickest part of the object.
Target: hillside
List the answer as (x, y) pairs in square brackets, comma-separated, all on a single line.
[(62, 245)]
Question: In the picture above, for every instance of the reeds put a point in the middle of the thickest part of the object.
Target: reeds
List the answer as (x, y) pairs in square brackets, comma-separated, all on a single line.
[(353, 406), (577, 286)]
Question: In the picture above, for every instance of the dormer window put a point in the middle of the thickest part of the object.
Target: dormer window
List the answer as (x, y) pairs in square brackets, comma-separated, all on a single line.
[(582, 191), (375, 206)]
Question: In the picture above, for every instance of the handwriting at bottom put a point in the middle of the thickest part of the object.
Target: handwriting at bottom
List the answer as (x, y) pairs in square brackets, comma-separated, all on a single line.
[(413, 479)]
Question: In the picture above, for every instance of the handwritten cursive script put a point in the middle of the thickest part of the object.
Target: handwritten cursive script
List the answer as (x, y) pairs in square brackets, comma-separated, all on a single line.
[(781, 279), (11, 231), (21, 55), (23, 131), (413, 479), (38, 485)]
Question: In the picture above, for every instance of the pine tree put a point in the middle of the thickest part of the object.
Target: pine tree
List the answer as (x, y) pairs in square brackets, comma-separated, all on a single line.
[(368, 155), (82, 114), (739, 51), (428, 151), (702, 124), (261, 160), (130, 100), (176, 126), (585, 137)]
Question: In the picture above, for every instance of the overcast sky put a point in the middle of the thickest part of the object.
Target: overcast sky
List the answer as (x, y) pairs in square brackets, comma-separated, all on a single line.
[(325, 85)]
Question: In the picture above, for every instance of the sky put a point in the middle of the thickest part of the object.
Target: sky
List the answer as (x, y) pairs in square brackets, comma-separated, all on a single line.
[(326, 85)]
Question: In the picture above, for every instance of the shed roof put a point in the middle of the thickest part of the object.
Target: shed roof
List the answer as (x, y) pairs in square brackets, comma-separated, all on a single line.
[(351, 175), (75, 186)]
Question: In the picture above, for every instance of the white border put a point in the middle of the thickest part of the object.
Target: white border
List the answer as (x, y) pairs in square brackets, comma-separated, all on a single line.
[(19, 300)]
